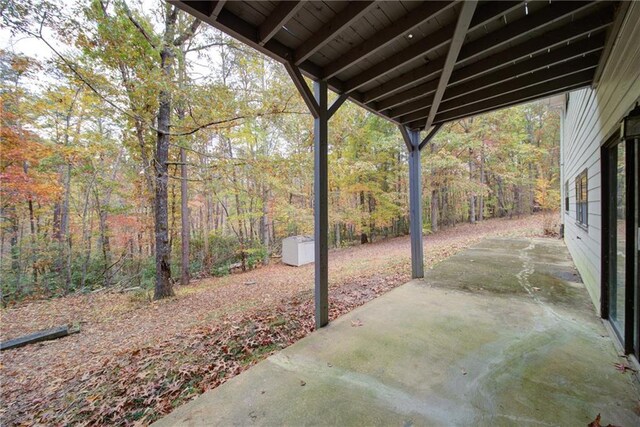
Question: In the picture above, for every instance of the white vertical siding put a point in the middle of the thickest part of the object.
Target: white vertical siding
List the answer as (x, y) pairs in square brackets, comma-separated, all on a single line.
[(591, 118)]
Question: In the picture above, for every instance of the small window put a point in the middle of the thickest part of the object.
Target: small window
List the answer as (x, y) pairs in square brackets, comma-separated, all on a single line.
[(582, 205), (566, 195)]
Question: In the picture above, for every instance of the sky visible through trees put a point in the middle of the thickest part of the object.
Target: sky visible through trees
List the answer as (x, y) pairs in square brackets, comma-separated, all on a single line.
[(140, 148)]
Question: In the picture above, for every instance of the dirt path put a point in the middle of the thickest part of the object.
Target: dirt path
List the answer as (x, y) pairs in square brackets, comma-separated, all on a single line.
[(113, 324)]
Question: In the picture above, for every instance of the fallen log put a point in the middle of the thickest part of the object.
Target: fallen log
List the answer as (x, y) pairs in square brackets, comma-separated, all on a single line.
[(48, 334)]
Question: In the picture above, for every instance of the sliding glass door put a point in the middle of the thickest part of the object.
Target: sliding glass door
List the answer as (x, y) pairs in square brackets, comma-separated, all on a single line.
[(618, 212), (621, 291)]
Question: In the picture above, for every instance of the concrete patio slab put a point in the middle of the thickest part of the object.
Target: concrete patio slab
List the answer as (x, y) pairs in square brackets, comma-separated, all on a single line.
[(501, 334)]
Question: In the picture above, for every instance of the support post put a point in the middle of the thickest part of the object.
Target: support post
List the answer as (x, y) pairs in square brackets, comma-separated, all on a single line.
[(317, 104), (321, 201), (415, 206)]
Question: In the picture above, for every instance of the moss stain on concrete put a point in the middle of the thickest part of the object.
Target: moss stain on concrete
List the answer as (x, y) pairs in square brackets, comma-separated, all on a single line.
[(502, 334)]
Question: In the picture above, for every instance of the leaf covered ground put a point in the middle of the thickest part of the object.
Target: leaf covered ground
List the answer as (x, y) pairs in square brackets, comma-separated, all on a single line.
[(136, 360)]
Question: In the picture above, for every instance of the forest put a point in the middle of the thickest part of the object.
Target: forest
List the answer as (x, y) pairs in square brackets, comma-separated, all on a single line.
[(143, 149)]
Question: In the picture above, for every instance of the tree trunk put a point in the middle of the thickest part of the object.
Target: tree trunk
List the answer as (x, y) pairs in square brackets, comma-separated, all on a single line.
[(264, 225), (434, 210), (472, 196), (206, 257), (66, 237), (363, 222), (531, 197), (163, 286), (33, 240), (501, 205), (16, 268), (105, 244), (434, 194), (184, 213)]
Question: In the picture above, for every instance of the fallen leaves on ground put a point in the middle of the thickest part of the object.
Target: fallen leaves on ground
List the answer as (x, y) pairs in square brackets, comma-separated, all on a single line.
[(596, 423), (136, 360)]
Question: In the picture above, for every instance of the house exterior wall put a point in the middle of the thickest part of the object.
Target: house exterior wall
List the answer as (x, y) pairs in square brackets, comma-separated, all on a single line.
[(591, 117)]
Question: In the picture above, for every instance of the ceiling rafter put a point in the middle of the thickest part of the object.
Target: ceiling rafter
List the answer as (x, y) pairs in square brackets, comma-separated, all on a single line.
[(346, 17), (562, 84), (278, 18), (477, 67), (387, 35), (241, 30), (555, 12), (527, 66), (526, 80), (554, 38), (517, 30), (574, 66), (217, 7), (464, 20), (421, 48)]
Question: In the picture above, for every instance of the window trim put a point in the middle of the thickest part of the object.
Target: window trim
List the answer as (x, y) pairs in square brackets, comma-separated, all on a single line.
[(582, 205)]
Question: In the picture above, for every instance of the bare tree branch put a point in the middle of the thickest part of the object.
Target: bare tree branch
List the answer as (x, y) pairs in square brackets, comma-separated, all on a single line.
[(205, 46), (188, 33)]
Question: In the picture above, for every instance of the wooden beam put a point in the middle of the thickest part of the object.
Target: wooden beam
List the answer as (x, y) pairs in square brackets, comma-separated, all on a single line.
[(406, 137), (420, 48), (279, 17), (412, 77), (45, 335), (464, 20), (613, 33), (398, 28), (577, 65), (415, 207), (513, 85), (543, 90), (337, 103), (430, 136), (217, 7), (493, 10), (505, 35), (321, 205), (342, 20), (574, 55), (550, 14), (555, 38), (303, 89), (246, 33), (545, 60), (563, 35), (446, 117), (203, 7)]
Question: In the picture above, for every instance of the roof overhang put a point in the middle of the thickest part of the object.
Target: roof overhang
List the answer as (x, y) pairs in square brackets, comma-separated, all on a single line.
[(420, 64)]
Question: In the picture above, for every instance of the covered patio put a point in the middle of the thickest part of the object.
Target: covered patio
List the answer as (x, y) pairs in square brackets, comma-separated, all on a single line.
[(501, 334), (419, 65)]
